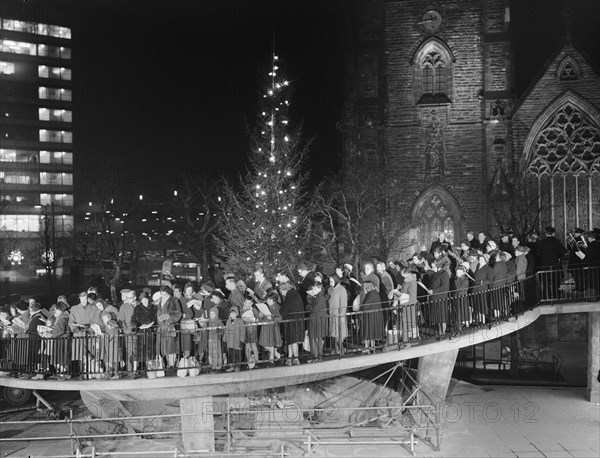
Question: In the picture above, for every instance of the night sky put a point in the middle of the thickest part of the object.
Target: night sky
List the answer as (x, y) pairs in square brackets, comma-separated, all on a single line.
[(167, 86)]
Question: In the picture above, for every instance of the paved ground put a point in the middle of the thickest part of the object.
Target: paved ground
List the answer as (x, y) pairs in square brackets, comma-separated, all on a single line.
[(524, 422)]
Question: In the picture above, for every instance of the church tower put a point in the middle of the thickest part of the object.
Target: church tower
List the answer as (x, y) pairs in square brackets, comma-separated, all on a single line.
[(429, 98)]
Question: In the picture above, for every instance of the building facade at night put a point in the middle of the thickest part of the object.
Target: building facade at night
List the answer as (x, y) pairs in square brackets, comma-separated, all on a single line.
[(36, 144), (431, 98)]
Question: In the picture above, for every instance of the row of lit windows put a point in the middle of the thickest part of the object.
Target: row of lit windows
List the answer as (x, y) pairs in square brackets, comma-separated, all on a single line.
[(38, 29), (58, 136), (64, 200), (47, 114), (53, 93), (45, 157), (59, 73), (7, 68), (58, 199), (31, 49), (33, 223), (43, 178)]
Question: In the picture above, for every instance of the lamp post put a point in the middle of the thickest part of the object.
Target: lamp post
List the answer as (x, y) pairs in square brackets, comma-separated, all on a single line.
[(49, 254)]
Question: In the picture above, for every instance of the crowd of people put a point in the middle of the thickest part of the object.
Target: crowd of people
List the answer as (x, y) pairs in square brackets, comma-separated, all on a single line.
[(230, 324)]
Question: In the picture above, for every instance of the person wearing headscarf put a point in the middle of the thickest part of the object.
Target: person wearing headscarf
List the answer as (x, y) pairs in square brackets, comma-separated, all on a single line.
[(371, 318)]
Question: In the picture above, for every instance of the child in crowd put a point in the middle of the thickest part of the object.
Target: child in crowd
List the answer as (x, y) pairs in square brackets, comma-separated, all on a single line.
[(234, 336), (215, 335), (250, 318)]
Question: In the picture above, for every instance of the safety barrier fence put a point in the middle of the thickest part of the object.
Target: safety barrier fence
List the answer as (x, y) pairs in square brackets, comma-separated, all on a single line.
[(385, 325)]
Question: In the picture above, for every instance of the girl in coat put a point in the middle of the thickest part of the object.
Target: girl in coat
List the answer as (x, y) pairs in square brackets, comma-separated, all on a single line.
[(215, 337), (250, 318), (270, 333), (338, 303), (234, 336)]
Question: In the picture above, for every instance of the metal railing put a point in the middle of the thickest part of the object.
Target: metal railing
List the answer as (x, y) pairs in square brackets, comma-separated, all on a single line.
[(387, 326)]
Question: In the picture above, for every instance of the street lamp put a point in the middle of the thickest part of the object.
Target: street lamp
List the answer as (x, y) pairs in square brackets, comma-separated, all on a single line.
[(49, 256)]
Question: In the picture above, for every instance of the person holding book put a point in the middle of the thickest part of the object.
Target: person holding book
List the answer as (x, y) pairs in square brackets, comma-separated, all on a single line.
[(82, 316)]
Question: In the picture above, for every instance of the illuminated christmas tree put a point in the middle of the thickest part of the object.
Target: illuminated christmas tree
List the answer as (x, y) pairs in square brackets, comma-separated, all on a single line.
[(266, 216)]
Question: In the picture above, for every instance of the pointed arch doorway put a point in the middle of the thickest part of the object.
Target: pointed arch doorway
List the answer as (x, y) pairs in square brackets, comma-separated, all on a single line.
[(435, 211)]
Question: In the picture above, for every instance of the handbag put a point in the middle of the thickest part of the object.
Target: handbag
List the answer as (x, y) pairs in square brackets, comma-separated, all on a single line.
[(193, 366), (160, 368), (182, 367), (306, 342), (150, 368), (356, 304)]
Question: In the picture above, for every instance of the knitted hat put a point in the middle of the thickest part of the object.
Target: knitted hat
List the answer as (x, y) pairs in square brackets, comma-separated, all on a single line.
[(234, 309)]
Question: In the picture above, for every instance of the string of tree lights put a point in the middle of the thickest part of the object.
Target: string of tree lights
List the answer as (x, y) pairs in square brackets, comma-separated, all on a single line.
[(266, 215)]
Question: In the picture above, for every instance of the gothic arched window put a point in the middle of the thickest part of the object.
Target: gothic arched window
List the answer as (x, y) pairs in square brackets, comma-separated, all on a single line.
[(568, 69), (435, 211), (564, 165), (433, 64)]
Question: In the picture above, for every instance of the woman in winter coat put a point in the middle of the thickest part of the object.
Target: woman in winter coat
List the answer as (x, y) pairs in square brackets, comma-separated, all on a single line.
[(168, 315), (462, 311), (144, 313), (292, 313), (338, 304), (371, 317), (270, 333), (483, 278), (439, 291), (499, 297), (409, 309), (317, 320)]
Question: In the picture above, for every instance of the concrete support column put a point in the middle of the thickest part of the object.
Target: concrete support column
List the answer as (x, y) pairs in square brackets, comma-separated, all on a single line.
[(197, 423), (434, 375), (593, 386)]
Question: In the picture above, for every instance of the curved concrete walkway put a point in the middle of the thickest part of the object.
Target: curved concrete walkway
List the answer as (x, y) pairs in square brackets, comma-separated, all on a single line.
[(263, 378)]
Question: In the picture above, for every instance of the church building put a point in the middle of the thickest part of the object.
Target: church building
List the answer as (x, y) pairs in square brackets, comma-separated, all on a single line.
[(431, 98)]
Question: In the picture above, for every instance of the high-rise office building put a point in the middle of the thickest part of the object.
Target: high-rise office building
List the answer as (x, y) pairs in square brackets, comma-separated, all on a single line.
[(36, 141)]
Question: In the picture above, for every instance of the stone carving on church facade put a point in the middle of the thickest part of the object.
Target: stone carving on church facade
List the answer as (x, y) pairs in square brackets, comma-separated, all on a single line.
[(435, 160)]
